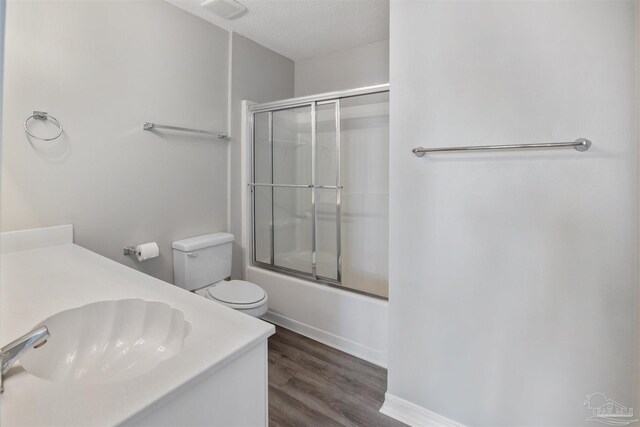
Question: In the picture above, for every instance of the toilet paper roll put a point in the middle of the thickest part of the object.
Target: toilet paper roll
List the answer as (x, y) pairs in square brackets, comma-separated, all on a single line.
[(147, 250)]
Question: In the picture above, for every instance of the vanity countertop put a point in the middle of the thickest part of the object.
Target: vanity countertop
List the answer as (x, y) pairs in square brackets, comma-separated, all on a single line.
[(37, 283)]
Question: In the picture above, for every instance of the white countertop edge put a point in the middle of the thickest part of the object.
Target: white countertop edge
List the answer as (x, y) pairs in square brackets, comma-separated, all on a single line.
[(33, 238)]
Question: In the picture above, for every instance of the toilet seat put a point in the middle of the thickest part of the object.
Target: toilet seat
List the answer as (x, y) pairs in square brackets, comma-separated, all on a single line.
[(237, 294)]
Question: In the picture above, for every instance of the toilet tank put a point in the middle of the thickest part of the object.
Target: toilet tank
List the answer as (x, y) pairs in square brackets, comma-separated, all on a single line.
[(202, 260)]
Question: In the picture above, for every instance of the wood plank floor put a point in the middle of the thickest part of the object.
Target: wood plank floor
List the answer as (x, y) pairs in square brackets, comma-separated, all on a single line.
[(311, 384)]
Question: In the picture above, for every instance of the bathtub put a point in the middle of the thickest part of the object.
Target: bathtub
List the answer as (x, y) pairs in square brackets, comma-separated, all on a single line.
[(348, 321)]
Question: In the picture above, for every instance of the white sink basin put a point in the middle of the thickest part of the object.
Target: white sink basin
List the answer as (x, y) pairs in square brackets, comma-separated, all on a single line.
[(108, 341)]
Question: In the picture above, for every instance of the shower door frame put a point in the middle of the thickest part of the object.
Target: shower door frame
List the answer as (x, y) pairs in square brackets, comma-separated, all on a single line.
[(308, 101)]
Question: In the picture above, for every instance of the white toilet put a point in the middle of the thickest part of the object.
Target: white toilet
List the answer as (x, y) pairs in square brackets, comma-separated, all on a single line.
[(202, 263)]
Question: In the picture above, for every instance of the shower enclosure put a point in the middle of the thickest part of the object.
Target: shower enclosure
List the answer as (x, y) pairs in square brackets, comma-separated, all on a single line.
[(320, 188)]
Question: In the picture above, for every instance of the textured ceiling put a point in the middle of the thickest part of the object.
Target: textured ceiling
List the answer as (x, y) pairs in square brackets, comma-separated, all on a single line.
[(301, 29)]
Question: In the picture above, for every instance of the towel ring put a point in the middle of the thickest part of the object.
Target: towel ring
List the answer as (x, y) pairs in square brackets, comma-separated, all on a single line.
[(42, 115)]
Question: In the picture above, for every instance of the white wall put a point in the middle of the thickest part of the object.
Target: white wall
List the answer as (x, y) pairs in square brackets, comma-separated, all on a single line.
[(102, 68), (3, 9), (260, 75), (513, 275), (364, 65)]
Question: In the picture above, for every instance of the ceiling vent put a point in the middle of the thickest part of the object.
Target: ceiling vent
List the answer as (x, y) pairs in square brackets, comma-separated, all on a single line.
[(227, 9)]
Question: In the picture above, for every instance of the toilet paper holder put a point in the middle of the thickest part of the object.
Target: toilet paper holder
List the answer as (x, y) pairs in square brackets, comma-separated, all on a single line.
[(143, 251)]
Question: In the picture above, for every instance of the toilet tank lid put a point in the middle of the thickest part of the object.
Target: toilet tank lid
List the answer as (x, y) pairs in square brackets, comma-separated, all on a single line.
[(201, 242)]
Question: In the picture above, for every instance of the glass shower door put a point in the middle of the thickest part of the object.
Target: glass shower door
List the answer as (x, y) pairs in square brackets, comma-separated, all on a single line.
[(364, 133), (292, 192), (262, 194), (296, 190), (328, 191)]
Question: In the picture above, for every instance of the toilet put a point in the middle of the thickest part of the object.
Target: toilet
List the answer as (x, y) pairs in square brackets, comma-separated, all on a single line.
[(201, 264)]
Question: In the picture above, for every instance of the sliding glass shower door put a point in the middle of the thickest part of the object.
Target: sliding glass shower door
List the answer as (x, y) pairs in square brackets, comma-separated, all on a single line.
[(292, 150), (328, 190), (305, 223), (296, 190)]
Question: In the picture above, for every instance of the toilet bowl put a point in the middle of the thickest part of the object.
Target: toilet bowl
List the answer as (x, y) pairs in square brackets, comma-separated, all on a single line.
[(240, 295), (202, 263)]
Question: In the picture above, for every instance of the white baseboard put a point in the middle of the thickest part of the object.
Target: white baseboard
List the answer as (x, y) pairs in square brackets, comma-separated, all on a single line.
[(353, 348), (414, 415)]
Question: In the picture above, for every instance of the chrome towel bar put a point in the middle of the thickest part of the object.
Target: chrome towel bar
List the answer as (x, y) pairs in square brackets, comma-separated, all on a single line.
[(581, 144), (322, 187), (149, 126)]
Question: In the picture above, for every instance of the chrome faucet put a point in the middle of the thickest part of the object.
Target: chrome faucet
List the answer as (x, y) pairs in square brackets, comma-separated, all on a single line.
[(10, 353)]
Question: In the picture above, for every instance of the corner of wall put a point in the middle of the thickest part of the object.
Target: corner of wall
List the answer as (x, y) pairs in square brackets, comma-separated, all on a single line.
[(255, 73), (359, 66), (229, 123)]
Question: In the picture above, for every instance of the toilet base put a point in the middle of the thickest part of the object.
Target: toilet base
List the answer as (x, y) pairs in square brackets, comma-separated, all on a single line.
[(255, 312)]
